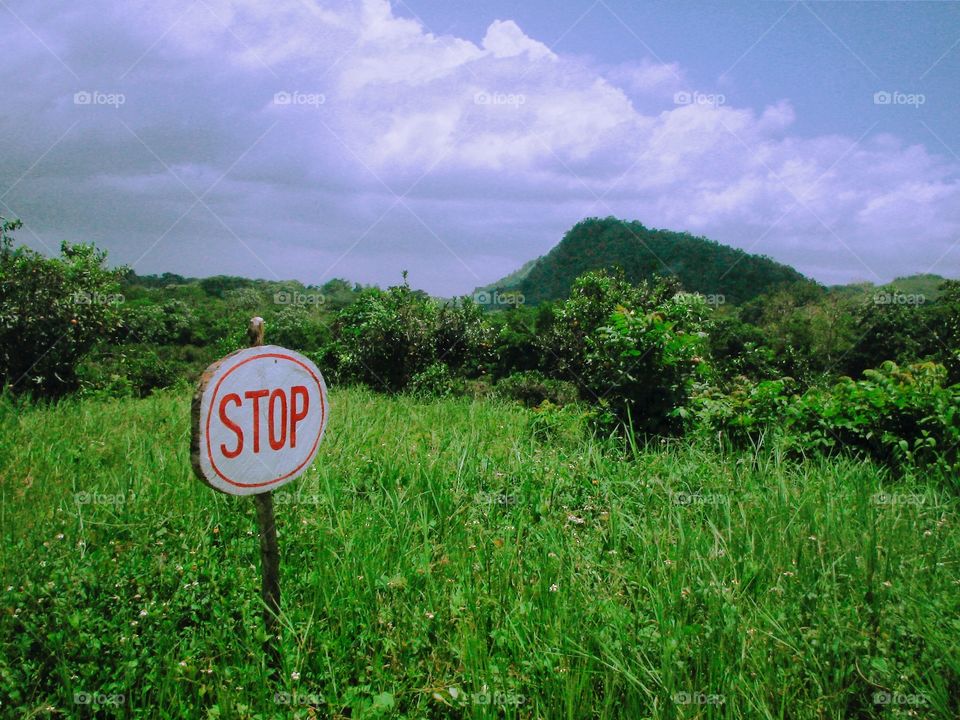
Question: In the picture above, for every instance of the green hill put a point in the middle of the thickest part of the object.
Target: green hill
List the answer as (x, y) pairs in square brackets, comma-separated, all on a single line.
[(924, 284), (700, 264)]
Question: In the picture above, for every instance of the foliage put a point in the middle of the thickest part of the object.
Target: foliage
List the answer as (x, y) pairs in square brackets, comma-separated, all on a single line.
[(532, 388), (387, 337), (435, 380), (742, 416), (642, 366), (52, 312), (901, 417)]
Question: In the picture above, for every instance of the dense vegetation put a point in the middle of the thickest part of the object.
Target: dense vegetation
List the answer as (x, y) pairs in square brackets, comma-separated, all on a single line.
[(700, 265), (605, 505), (864, 370)]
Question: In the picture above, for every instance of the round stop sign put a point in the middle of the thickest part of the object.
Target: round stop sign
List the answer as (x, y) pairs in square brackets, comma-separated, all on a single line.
[(258, 418)]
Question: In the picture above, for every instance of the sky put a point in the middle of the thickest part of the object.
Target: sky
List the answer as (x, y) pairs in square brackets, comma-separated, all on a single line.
[(306, 139)]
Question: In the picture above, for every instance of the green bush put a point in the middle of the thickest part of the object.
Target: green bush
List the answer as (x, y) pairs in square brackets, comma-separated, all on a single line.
[(532, 388), (386, 338), (130, 370), (901, 417), (434, 381), (745, 414), (53, 311)]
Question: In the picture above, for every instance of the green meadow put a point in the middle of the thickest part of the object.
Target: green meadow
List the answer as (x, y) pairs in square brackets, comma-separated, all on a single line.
[(469, 559)]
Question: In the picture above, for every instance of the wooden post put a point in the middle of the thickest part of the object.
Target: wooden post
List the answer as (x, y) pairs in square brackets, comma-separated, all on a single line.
[(269, 550)]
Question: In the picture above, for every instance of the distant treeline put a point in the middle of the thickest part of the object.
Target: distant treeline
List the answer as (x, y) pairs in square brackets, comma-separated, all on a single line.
[(648, 354)]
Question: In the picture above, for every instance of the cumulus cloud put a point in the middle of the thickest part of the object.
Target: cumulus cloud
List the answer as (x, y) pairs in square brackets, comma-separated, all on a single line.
[(314, 139)]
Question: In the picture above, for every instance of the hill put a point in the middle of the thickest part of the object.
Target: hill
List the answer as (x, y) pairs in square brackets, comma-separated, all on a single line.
[(925, 284), (701, 265)]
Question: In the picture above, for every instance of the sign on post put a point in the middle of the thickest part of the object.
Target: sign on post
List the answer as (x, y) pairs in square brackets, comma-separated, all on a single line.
[(259, 415), (258, 418)]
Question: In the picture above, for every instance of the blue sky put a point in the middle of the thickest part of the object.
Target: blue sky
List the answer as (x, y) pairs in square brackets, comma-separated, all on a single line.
[(826, 57), (457, 140)]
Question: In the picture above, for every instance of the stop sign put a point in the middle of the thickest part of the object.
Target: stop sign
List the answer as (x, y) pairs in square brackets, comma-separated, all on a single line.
[(258, 417)]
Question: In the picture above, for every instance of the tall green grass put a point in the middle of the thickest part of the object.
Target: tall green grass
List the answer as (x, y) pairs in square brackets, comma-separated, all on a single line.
[(466, 558)]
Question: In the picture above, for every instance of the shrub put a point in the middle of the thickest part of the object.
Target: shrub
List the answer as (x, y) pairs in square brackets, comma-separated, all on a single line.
[(742, 416), (900, 417), (52, 312), (386, 338), (130, 370), (641, 368), (434, 381), (532, 388)]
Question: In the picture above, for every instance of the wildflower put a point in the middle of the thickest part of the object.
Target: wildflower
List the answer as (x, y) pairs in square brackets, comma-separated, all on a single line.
[(143, 613), (554, 587), (429, 615), (295, 675)]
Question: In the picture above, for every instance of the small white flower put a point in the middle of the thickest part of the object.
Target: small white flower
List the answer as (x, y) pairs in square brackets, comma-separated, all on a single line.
[(554, 587), (295, 675)]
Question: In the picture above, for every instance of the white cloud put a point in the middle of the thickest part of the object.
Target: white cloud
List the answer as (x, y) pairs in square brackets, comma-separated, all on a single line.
[(493, 142)]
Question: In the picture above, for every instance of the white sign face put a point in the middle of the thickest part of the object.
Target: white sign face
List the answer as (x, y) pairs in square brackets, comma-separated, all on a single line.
[(258, 417)]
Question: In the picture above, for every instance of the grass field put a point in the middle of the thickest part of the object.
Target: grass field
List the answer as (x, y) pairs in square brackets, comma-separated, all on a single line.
[(463, 558)]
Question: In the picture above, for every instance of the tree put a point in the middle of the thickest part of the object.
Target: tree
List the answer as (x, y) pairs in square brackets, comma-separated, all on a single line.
[(52, 312)]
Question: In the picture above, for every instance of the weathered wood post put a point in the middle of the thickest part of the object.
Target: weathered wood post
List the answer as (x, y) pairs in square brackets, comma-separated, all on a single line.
[(258, 417), (269, 550)]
